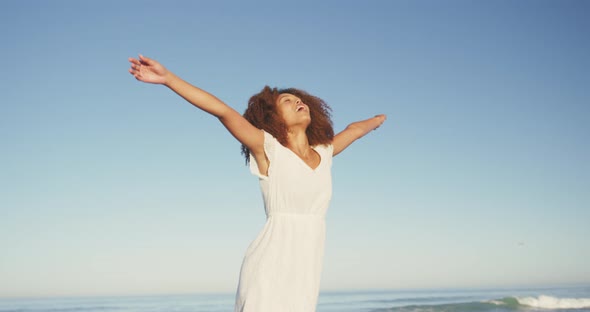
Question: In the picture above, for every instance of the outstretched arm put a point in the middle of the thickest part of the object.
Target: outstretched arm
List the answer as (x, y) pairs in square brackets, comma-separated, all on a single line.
[(150, 71), (355, 131)]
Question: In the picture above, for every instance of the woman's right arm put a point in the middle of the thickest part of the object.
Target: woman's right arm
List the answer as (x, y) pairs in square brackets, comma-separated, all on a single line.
[(150, 71)]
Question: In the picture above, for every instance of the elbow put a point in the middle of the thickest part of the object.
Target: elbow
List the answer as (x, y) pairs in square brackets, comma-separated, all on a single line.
[(226, 113)]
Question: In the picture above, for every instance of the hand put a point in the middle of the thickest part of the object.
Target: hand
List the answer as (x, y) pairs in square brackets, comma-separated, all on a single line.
[(380, 119), (148, 70)]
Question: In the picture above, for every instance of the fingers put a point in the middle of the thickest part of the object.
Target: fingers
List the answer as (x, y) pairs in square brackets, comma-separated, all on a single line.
[(135, 69), (380, 119), (141, 61), (135, 66), (138, 64), (145, 60), (135, 74)]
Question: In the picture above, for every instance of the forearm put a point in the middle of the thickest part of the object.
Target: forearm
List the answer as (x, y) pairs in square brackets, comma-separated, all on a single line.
[(361, 128), (355, 131), (196, 96)]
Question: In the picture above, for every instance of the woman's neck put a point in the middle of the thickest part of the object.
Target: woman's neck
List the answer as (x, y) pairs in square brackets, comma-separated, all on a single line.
[(297, 142)]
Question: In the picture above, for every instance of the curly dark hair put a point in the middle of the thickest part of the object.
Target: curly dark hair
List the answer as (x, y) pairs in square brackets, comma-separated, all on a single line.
[(263, 114)]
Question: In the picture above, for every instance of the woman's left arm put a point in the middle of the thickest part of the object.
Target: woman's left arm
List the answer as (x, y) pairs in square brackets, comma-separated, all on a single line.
[(355, 131)]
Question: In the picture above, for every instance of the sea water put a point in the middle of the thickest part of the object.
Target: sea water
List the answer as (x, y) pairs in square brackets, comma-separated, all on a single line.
[(497, 300)]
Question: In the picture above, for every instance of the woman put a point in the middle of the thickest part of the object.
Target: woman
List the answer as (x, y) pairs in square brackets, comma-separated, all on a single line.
[(288, 141)]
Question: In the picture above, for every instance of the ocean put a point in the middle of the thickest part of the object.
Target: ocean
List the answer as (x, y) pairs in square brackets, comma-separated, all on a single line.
[(497, 300)]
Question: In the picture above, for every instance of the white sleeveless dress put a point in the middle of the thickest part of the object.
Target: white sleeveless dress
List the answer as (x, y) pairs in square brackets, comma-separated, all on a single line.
[(282, 266)]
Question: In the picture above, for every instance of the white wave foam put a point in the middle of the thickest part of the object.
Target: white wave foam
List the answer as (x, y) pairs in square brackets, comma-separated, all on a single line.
[(496, 302), (548, 302)]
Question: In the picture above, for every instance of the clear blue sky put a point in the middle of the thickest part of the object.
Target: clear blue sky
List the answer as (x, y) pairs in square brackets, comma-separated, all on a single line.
[(479, 177)]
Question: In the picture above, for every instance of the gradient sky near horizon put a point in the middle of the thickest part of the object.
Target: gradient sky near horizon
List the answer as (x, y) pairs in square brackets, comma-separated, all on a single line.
[(478, 178)]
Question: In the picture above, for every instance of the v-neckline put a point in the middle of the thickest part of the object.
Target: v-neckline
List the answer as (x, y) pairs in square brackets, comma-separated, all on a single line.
[(303, 161)]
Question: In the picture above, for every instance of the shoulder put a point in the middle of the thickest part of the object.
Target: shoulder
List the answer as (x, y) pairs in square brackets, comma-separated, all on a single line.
[(325, 149)]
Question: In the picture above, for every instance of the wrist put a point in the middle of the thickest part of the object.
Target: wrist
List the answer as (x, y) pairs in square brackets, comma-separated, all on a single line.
[(169, 79)]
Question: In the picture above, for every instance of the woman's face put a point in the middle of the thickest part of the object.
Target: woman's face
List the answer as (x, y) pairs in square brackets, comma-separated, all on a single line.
[(293, 111)]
